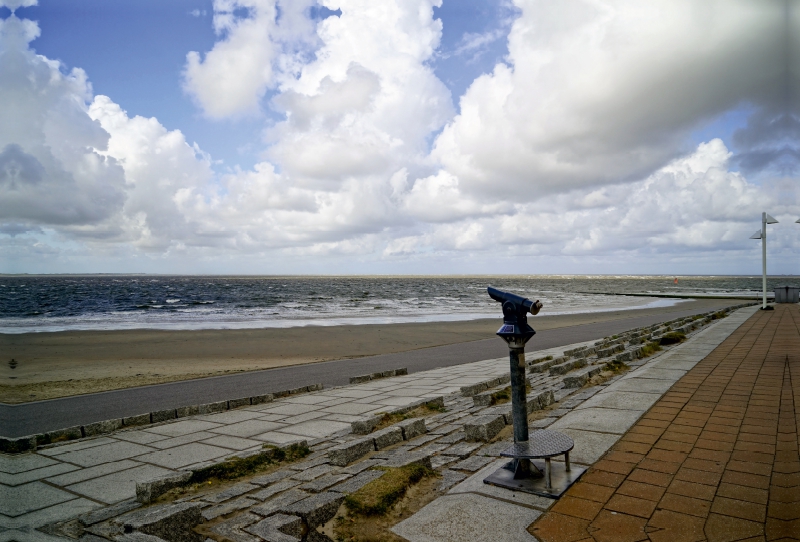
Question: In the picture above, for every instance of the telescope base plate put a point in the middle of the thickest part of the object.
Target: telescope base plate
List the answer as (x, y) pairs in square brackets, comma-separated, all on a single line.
[(560, 479)]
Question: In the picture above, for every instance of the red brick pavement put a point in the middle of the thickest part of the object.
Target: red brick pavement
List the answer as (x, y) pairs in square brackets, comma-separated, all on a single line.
[(716, 459)]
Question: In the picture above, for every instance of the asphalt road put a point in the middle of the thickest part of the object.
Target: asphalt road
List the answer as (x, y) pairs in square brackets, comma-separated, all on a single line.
[(41, 416)]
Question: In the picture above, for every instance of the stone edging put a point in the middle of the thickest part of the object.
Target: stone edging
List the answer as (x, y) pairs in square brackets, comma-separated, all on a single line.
[(374, 376), (32, 442)]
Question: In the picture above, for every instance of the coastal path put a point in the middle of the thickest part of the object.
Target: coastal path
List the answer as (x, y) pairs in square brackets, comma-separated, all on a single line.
[(716, 458), (41, 416)]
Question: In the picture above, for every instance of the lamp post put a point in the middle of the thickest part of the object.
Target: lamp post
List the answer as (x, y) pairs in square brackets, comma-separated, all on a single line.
[(762, 234)]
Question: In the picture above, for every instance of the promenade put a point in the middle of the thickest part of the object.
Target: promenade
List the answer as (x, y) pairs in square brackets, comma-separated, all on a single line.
[(716, 458)]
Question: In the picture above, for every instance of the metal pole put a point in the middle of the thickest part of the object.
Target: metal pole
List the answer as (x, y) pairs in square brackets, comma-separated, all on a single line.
[(764, 259), (519, 399)]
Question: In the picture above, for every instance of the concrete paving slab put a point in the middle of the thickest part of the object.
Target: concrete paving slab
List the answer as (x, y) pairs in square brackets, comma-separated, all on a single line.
[(183, 427), (626, 400), (315, 428), (117, 487), (671, 375), (349, 408), (247, 428), (308, 399), (396, 401), (235, 443), (51, 514), (589, 445), (182, 456), (643, 385), (14, 464), (62, 449), (601, 420), (303, 417), (456, 518), (276, 437), (355, 392), (19, 500), (92, 472), (139, 437), (347, 418), (233, 416), (474, 484), (289, 409), (179, 441), (35, 474), (113, 451)]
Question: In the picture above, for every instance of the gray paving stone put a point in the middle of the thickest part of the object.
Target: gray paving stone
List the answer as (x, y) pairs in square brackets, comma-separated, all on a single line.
[(483, 428), (15, 464), (456, 518), (274, 489), (51, 514), (387, 437), (641, 385), (439, 461), (412, 428), (118, 486), (452, 438), (35, 474), (472, 464), (344, 454), (312, 473), (29, 497), (92, 472), (316, 428), (358, 481), (449, 479), (108, 512), (290, 409), (169, 521), (432, 448), (271, 478), (213, 512), (139, 437), (278, 528), (494, 449), (182, 456), (323, 482), (106, 453), (229, 493), (280, 502), (361, 466), (410, 458), (541, 423), (625, 400), (231, 529), (603, 420), (247, 428), (174, 442), (234, 443), (182, 427), (462, 449), (445, 429), (316, 509), (103, 427)]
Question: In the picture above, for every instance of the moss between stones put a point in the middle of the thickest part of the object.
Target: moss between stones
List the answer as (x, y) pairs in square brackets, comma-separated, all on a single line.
[(378, 496), (616, 366), (650, 348), (673, 337), (503, 396), (236, 467)]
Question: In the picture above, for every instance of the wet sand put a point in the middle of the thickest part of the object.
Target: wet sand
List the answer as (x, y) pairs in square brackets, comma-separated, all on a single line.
[(68, 363)]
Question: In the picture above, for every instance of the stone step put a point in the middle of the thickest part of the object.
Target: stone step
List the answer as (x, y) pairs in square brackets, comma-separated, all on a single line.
[(580, 377), (567, 366), (543, 366)]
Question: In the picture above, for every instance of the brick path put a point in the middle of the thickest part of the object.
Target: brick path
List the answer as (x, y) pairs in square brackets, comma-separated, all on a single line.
[(715, 459)]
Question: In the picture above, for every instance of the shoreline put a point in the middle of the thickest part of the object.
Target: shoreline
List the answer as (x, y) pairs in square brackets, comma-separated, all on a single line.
[(60, 364)]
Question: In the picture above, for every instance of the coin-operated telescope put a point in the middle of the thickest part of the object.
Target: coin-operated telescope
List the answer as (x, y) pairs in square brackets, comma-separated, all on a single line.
[(521, 474)]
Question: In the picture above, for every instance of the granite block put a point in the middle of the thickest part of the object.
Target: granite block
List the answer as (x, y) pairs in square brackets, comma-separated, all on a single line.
[(103, 427), (237, 403), (139, 419), (168, 521), (211, 408), (358, 481), (316, 509), (149, 490), (183, 412), (261, 399), (387, 437), (412, 427), (163, 415), (365, 427), (344, 454), (278, 528), (483, 428)]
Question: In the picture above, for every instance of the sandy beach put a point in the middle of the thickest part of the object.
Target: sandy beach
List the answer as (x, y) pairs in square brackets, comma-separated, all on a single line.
[(60, 364)]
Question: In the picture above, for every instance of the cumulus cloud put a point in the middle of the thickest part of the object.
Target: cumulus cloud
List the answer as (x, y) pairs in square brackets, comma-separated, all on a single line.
[(577, 146), (602, 92), (52, 171), (256, 46)]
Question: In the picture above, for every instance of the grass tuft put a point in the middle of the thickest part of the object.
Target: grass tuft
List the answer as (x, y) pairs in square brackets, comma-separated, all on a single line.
[(378, 496), (236, 467), (650, 348)]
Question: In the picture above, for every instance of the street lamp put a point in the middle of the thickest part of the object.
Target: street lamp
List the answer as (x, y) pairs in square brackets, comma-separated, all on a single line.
[(762, 234)]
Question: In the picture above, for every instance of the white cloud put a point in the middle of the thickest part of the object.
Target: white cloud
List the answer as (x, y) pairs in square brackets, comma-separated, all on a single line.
[(232, 78), (575, 149)]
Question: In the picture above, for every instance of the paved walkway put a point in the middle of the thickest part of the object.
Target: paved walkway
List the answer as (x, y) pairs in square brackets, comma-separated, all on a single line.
[(715, 459)]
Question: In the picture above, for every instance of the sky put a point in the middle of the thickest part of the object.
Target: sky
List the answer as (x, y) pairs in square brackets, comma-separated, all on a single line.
[(398, 137)]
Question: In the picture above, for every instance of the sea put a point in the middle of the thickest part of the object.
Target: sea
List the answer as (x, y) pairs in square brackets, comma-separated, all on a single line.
[(115, 302)]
